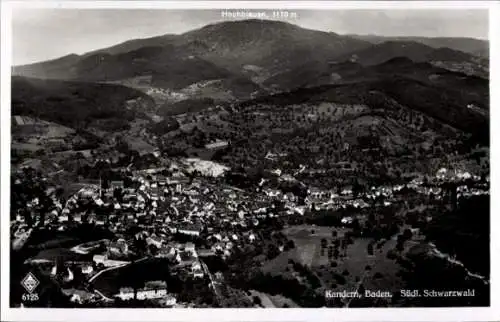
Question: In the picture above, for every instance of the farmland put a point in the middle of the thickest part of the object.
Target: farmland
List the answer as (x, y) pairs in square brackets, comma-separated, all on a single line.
[(307, 240), (346, 270), (32, 134), (307, 249)]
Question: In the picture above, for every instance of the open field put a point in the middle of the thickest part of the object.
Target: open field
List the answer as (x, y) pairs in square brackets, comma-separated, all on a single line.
[(26, 146), (305, 231), (39, 130), (139, 144), (306, 253), (307, 249), (351, 269), (375, 272), (308, 244)]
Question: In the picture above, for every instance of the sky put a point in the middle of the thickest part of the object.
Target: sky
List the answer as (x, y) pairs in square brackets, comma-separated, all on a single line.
[(42, 34)]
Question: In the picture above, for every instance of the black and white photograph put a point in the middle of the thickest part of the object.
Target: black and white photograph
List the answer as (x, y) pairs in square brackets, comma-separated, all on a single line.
[(204, 158)]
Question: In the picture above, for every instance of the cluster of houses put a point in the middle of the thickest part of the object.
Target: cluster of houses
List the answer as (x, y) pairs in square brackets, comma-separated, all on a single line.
[(184, 255), (166, 206), (179, 204), (335, 199)]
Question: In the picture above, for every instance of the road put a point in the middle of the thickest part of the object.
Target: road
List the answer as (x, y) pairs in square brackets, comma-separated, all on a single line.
[(106, 270), (212, 283)]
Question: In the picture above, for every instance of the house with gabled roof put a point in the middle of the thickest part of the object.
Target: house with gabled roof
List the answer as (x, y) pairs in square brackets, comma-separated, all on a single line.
[(189, 246), (155, 240), (185, 258), (190, 229), (166, 251)]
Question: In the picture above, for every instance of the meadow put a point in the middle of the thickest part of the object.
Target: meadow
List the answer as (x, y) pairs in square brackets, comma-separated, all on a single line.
[(353, 267)]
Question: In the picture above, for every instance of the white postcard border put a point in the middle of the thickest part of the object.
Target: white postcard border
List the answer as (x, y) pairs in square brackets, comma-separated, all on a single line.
[(385, 314)]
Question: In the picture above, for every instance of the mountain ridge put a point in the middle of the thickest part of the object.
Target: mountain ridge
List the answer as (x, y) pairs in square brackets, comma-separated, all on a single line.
[(466, 44), (474, 46), (253, 49)]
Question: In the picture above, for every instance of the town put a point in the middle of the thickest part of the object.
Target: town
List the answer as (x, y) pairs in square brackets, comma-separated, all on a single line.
[(173, 218)]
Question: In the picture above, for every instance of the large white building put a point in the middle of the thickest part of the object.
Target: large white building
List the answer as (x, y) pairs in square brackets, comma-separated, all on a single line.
[(216, 145), (127, 293), (151, 290)]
